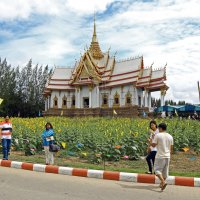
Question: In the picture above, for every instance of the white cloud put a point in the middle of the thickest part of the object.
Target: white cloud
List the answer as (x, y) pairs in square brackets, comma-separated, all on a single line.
[(88, 6), (163, 31), (22, 9)]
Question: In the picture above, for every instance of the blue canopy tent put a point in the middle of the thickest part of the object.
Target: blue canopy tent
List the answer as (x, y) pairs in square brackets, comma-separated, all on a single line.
[(187, 108), (166, 108), (197, 108)]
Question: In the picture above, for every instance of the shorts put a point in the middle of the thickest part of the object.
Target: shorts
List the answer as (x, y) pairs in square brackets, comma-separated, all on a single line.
[(161, 166)]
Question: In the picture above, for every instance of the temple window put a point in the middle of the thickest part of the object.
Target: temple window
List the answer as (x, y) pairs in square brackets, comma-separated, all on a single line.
[(128, 99), (116, 100), (64, 102), (105, 101)]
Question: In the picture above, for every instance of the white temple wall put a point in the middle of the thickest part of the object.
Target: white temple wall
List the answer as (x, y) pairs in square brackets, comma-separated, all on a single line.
[(60, 95), (96, 96), (122, 91)]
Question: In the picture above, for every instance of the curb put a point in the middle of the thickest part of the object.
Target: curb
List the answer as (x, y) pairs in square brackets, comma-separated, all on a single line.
[(107, 175)]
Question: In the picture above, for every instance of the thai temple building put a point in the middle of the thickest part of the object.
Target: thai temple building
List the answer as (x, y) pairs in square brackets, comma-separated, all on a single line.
[(98, 81)]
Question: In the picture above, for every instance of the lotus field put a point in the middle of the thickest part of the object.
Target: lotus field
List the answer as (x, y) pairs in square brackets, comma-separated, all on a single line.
[(98, 139)]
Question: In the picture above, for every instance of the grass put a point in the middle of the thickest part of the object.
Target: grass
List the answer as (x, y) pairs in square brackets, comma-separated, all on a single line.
[(180, 166)]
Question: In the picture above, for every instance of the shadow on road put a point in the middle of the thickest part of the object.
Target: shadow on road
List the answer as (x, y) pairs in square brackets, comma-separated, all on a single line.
[(142, 187)]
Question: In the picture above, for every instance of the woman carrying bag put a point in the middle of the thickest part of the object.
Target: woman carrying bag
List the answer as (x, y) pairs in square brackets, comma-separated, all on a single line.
[(48, 140), (151, 150)]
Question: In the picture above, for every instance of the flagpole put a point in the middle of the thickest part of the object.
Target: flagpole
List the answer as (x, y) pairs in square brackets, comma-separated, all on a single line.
[(198, 90)]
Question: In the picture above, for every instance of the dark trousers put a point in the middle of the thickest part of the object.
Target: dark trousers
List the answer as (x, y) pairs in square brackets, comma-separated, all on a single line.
[(6, 144), (150, 160)]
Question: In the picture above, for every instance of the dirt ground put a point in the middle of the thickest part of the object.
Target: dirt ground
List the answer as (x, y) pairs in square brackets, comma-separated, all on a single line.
[(185, 162)]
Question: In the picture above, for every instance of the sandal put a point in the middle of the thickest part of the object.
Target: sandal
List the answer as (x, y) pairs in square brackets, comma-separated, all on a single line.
[(148, 172), (164, 186)]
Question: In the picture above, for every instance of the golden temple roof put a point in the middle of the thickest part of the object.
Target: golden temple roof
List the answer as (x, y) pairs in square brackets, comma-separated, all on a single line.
[(95, 49)]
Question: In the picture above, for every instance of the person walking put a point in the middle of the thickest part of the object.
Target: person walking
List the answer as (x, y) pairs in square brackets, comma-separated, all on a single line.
[(151, 150), (6, 136), (48, 138), (164, 143)]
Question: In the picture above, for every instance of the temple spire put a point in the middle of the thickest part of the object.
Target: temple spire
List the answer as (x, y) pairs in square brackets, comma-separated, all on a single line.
[(94, 46), (94, 37)]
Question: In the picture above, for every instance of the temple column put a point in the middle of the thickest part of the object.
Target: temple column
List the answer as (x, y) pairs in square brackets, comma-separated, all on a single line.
[(149, 98), (90, 97), (135, 97), (146, 98), (121, 99), (46, 104), (142, 99), (49, 101), (97, 96), (110, 99), (79, 98), (76, 98), (162, 97)]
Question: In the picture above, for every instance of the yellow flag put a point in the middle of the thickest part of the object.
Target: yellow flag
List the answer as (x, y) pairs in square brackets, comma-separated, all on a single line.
[(64, 145), (84, 153), (185, 149), (1, 100), (114, 112)]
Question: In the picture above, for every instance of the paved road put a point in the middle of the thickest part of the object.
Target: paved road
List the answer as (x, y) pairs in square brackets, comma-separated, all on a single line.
[(26, 185)]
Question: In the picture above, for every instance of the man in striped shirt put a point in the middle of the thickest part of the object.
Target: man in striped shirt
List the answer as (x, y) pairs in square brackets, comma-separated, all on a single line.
[(6, 132)]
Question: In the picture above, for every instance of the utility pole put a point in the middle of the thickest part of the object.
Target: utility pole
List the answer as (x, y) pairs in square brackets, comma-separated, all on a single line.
[(198, 90)]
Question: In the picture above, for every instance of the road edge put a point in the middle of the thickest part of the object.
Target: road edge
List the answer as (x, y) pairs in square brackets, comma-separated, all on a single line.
[(100, 174)]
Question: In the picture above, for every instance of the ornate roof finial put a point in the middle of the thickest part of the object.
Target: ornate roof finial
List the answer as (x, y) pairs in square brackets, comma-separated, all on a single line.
[(94, 37), (142, 63), (94, 46)]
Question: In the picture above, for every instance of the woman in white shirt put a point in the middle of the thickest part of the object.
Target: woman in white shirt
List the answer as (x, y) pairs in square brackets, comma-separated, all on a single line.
[(151, 150)]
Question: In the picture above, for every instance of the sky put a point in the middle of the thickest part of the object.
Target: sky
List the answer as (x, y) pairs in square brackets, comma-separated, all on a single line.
[(56, 32)]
